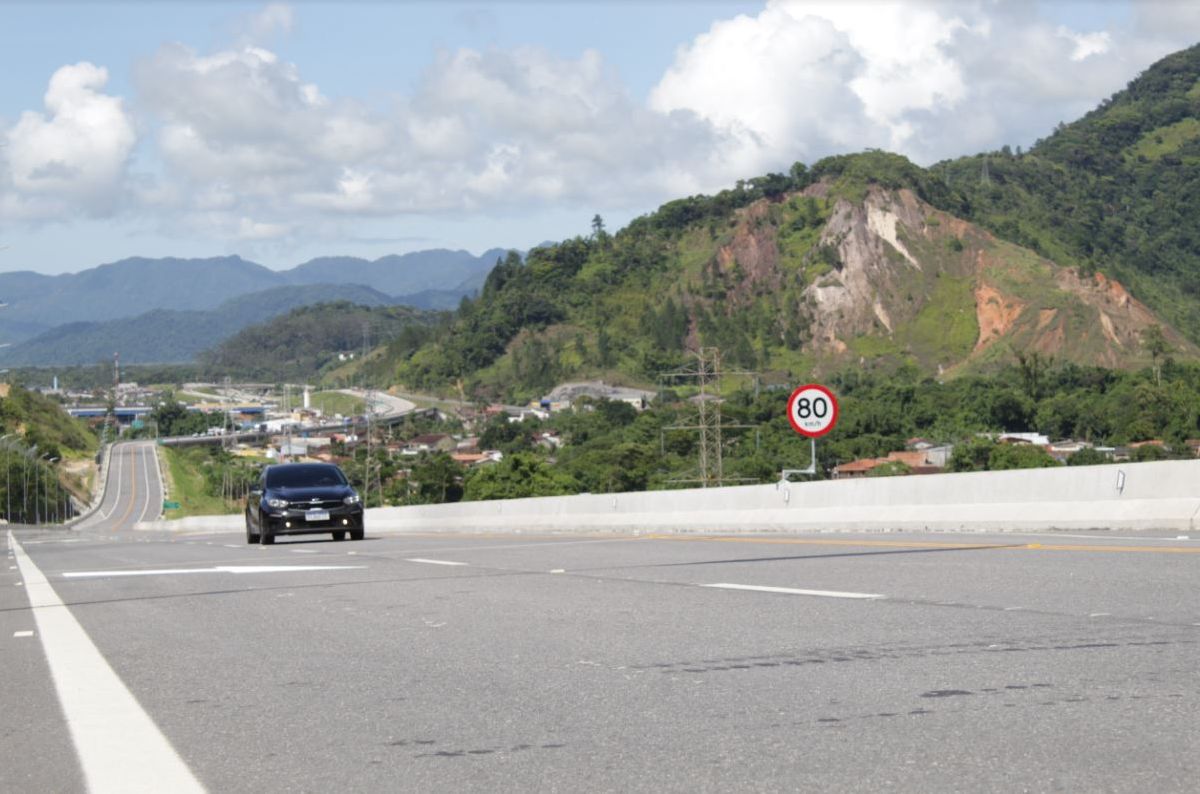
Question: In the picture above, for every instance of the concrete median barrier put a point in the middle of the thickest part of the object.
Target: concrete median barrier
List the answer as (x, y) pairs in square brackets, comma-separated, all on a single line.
[(1140, 496)]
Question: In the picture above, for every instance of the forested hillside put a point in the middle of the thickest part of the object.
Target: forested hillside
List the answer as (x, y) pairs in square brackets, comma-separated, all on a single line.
[(300, 344), (1079, 251), (1117, 191)]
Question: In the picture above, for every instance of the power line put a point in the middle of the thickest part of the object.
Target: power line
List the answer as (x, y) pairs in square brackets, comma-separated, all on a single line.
[(706, 373)]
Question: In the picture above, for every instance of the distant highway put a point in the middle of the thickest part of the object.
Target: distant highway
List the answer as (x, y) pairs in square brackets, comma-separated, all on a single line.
[(382, 405), (134, 489), (385, 408)]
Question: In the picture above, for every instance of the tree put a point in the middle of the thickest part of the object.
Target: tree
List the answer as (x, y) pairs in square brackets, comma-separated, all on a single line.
[(435, 479), (1154, 342), (972, 455), (1087, 457), (1019, 456), (517, 476)]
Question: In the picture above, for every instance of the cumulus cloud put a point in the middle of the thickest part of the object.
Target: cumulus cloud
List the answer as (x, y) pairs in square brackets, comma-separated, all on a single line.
[(243, 145), (74, 155), (482, 130), (928, 79)]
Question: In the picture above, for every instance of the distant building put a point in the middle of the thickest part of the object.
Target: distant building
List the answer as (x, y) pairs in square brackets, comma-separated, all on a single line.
[(477, 458), (565, 395), (1062, 450), (1036, 439), (928, 461), (429, 442)]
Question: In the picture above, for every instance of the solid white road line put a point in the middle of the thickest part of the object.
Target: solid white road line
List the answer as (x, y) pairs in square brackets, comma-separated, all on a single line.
[(113, 459), (120, 748), (793, 591), (218, 569), (434, 562), (143, 450)]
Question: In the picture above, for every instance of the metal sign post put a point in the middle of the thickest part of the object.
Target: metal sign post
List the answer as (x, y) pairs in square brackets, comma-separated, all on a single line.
[(812, 412)]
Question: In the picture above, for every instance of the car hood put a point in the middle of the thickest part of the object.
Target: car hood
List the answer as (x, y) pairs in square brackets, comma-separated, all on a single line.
[(313, 492)]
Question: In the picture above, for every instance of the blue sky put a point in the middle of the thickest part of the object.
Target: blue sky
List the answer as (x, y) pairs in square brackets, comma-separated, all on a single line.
[(286, 131)]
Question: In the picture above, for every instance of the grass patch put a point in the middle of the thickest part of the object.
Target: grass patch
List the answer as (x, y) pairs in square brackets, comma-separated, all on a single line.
[(185, 485), (874, 346), (332, 402), (1165, 140), (946, 328)]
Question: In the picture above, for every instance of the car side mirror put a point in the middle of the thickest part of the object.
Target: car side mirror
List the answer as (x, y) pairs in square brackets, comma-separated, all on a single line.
[(256, 491)]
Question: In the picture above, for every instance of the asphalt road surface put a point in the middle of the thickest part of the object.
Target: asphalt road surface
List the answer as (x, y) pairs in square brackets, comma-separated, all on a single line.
[(133, 490), (598, 663)]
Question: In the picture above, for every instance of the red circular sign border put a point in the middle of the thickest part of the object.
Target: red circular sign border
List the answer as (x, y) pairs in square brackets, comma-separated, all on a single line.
[(832, 400)]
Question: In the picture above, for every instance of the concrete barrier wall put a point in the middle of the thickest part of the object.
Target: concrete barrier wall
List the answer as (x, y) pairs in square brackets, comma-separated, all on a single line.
[(1164, 495)]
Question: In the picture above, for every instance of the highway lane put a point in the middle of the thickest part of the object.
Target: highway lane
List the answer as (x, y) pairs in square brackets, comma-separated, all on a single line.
[(133, 490), (510, 662)]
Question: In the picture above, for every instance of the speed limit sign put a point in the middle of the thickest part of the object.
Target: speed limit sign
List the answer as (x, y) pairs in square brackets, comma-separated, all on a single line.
[(812, 410)]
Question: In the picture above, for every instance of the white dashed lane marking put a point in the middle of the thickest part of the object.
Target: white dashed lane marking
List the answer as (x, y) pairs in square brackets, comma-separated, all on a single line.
[(434, 562), (793, 591), (237, 569)]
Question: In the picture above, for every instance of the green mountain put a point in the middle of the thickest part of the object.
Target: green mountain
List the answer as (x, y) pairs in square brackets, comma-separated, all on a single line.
[(1117, 191), (307, 341), (171, 336), (1075, 251)]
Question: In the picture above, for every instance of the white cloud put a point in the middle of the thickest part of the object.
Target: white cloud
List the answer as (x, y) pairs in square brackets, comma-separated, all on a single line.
[(255, 230), (271, 20), (1086, 44), (483, 130), (243, 145), (928, 79), (72, 155)]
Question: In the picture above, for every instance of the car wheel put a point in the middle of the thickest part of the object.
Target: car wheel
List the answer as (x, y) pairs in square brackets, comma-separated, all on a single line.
[(264, 535), (339, 535), (251, 537), (357, 534)]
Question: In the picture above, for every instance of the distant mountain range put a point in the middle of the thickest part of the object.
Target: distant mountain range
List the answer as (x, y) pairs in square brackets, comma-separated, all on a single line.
[(167, 310)]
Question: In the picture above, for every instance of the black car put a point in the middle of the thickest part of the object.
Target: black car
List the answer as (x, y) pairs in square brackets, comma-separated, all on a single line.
[(303, 499)]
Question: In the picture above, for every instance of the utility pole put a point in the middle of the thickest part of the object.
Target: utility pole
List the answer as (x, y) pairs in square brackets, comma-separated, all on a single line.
[(370, 413), (706, 374)]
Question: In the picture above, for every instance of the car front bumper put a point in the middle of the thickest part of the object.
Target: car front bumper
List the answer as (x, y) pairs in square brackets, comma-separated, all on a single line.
[(294, 521)]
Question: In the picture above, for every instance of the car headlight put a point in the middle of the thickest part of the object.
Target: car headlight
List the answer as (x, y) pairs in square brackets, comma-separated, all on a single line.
[(352, 499), (278, 504)]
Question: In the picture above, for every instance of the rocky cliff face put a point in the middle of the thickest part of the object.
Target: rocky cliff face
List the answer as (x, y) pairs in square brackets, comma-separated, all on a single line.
[(914, 281)]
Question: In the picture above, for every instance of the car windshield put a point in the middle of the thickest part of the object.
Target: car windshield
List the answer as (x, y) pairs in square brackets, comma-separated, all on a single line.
[(304, 476)]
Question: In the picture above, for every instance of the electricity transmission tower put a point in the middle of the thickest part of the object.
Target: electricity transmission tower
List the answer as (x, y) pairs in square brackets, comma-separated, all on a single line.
[(705, 372)]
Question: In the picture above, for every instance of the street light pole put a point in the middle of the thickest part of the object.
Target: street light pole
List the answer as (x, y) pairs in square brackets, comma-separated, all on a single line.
[(25, 483), (46, 496), (37, 513), (7, 478)]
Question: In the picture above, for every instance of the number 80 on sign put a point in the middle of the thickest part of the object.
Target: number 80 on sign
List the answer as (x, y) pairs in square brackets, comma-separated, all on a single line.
[(812, 410)]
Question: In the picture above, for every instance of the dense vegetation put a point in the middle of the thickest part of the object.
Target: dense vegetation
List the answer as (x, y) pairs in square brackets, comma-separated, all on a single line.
[(608, 447), (1117, 191), (302, 343), (36, 435)]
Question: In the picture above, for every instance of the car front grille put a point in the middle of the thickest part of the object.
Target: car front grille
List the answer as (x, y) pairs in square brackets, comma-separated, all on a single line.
[(323, 504)]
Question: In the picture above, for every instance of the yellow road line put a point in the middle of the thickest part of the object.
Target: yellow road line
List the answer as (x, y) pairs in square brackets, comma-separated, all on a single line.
[(133, 496)]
